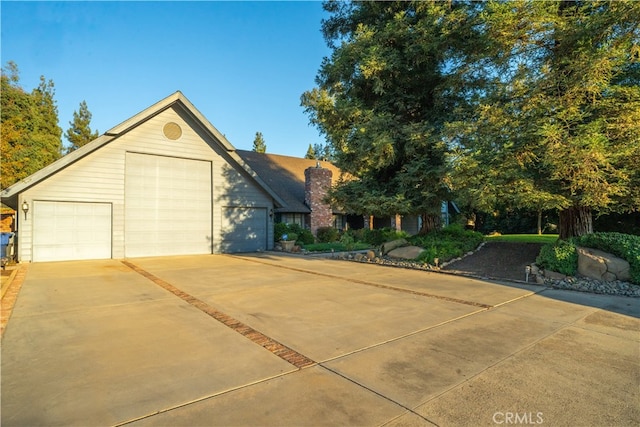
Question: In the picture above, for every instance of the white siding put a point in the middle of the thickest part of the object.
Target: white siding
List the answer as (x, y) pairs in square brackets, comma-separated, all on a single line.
[(100, 176)]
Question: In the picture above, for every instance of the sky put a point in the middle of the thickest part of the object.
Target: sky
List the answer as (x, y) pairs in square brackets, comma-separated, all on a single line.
[(244, 65)]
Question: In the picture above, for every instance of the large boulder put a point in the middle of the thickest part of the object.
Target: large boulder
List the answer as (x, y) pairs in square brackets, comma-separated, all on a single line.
[(406, 252), (389, 246), (601, 265)]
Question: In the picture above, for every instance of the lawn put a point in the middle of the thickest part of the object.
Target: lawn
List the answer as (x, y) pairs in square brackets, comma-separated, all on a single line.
[(523, 238)]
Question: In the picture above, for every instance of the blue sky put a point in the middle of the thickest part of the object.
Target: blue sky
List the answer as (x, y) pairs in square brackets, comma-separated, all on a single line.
[(244, 65)]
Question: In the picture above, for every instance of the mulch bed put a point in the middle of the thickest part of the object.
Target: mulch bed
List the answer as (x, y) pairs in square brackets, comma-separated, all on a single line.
[(500, 260)]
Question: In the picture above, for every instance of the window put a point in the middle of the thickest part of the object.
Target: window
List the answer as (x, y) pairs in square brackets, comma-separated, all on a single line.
[(292, 218)]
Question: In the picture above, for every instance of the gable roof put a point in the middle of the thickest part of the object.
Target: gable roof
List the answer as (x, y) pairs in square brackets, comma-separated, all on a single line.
[(286, 176), (10, 195)]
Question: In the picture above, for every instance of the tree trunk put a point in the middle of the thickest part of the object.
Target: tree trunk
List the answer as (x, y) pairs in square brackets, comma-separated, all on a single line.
[(430, 222), (539, 222), (397, 222), (575, 221)]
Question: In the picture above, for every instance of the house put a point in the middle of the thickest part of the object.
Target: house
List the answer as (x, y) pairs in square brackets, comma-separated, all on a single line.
[(303, 185), (167, 182), (164, 182)]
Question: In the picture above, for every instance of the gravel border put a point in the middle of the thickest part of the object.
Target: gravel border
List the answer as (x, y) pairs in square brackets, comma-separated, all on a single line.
[(585, 284), (580, 284)]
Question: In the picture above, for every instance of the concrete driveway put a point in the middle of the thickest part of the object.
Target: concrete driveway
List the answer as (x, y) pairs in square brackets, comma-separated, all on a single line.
[(290, 341)]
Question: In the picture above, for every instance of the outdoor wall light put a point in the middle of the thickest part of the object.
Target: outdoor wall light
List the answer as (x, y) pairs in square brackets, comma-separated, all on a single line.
[(25, 209)]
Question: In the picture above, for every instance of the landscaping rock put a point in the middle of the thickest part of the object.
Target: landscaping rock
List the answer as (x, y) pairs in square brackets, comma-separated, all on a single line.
[(389, 246), (371, 255), (600, 265), (407, 252), (554, 275)]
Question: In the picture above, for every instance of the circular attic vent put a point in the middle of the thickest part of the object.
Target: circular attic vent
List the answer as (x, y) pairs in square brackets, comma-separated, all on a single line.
[(172, 131)]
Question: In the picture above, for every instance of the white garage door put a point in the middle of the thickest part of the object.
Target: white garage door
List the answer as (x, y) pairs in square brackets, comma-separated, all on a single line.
[(65, 231), (244, 229), (167, 206)]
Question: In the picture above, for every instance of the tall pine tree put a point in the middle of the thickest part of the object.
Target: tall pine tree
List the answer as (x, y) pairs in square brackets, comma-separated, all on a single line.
[(79, 132), (382, 101), (311, 153), (259, 146)]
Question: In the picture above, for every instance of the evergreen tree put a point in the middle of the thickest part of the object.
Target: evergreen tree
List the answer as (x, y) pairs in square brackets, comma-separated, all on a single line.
[(79, 132), (30, 138), (556, 122), (323, 152), (259, 146), (382, 101), (311, 153)]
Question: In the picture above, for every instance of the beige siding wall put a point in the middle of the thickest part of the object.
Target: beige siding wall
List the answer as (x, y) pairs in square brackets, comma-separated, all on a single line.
[(99, 177)]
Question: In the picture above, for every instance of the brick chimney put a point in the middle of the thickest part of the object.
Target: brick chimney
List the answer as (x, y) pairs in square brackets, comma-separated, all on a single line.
[(317, 182)]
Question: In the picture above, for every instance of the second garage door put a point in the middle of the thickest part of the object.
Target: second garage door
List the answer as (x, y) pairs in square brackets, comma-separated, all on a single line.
[(167, 206), (244, 229)]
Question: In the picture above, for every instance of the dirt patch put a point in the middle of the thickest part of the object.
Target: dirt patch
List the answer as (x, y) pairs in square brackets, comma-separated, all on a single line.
[(500, 260)]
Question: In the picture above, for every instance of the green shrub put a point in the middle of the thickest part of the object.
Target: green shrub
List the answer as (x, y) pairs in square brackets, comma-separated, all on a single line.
[(347, 241), (379, 236), (292, 237), (373, 237), (334, 246), (327, 234), (295, 228), (560, 256), (358, 235), (390, 234), (625, 246), (292, 231), (445, 244), (279, 229), (306, 237)]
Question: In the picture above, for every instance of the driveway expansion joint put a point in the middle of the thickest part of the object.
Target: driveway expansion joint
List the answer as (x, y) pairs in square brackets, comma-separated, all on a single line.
[(375, 285), (293, 357)]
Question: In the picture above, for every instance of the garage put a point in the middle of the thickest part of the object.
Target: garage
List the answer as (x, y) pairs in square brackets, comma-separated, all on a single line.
[(244, 229), (164, 182), (65, 231), (167, 206)]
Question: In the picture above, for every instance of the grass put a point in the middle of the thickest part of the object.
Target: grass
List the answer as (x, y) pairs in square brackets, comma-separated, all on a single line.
[(336, 246), (523, 238)]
